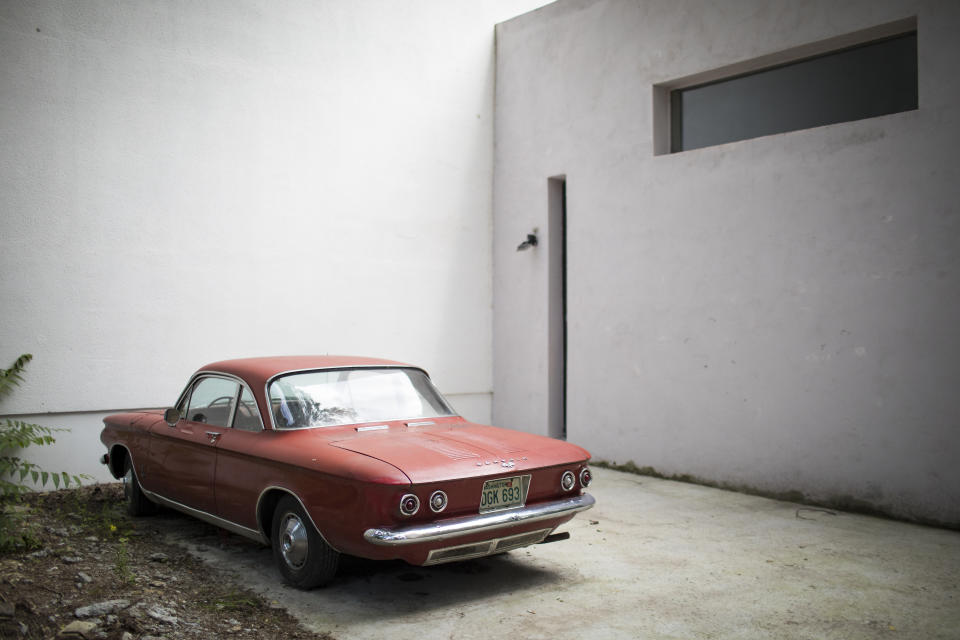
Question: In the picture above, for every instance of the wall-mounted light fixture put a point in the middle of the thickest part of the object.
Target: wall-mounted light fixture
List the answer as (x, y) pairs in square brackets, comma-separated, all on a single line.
[(531, 241)]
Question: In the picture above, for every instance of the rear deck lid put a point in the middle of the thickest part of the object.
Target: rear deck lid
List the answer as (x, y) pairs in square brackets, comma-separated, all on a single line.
[(464, 450)]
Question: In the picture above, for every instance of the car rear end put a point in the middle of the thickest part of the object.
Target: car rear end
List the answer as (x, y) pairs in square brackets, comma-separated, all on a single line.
[(510, 506)]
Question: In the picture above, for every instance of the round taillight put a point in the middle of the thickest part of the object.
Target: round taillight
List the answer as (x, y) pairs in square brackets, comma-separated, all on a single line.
[(438, 501), (409, 504), (585, 477), (567, 480)]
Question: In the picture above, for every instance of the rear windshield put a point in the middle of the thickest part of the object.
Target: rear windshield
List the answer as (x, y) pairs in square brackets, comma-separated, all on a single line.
[(346, 396)]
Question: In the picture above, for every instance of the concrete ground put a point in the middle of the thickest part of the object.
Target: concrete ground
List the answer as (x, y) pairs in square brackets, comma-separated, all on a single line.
[(653, 559)]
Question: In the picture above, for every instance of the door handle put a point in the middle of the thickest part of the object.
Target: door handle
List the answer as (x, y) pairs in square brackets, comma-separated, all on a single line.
[(213, 435)]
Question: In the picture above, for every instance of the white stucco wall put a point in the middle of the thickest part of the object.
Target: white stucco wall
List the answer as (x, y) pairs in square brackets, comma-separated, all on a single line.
[(778, 313), (182, 182)]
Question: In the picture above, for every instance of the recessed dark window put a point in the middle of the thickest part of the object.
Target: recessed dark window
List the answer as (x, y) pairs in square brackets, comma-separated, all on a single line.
[(869, 80)]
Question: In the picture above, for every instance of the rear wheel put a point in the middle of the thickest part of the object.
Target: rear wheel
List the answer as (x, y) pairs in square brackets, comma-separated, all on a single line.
[(305, 560), (137, 503)]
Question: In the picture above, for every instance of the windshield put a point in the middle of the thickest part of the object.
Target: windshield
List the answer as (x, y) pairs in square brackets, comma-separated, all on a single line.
[(347, 396)]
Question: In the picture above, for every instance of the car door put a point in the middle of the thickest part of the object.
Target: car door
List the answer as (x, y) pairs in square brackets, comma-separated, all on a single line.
[(242, 471), (185, 454)]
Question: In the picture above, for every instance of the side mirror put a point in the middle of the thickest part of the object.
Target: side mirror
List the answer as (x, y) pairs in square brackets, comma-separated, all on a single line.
[(171, 416)]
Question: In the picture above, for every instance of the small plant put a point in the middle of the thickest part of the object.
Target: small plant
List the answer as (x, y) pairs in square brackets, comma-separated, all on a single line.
[(16, 435), (122, 565)]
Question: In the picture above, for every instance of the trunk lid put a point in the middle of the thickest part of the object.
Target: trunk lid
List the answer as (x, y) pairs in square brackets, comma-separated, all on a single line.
[(462, 450)]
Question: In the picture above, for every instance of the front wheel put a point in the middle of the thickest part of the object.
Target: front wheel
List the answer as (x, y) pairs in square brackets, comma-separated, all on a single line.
[(137, 503), (305, 560)]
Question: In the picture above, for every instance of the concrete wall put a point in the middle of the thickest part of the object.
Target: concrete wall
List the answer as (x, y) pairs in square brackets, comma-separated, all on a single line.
[(182, 182), (778, 313)]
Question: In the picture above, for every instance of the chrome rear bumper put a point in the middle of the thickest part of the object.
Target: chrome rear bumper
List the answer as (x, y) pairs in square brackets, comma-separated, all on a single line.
[(467, 525)]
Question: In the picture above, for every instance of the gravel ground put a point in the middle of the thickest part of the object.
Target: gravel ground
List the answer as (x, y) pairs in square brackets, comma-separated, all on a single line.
[(99, 573)]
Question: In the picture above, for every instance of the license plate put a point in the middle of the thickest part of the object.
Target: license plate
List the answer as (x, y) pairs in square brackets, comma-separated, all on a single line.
[(504, 493)]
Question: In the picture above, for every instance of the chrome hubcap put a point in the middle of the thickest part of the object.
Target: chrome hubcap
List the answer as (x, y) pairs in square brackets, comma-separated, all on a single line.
[(127, 480), (293, 541)]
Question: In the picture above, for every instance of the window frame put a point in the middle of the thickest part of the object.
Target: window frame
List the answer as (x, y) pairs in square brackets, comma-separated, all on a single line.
[(663, 125), (183, 401), (426, 376)]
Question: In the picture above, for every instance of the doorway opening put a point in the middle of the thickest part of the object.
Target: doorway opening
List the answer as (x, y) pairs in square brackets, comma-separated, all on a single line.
[(557, 305)]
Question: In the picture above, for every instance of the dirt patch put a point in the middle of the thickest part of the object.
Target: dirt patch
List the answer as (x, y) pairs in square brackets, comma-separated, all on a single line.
[(106, 575)]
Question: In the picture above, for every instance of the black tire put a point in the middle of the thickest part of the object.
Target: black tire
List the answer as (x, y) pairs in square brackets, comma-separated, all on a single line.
[(137, 503), (305, 560)]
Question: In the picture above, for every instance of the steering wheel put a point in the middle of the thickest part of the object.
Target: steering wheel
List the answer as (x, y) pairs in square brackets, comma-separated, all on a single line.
[(227, 399)]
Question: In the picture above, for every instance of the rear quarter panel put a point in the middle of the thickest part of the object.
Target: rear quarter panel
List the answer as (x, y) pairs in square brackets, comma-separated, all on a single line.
[(337, 487)]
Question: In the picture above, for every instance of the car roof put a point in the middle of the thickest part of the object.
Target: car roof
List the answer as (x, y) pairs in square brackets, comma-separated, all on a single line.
[(257, 371)]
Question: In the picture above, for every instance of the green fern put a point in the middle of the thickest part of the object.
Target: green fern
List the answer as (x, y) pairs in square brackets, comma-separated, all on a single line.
[(16, 435), (9, 378)]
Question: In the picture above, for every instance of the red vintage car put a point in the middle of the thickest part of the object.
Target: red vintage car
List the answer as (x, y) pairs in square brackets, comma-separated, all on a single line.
[(319, 456)]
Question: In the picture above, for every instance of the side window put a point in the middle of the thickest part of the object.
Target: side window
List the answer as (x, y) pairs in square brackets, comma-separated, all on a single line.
[(248, 416), (182, 405), (212, 401), (865, 81)]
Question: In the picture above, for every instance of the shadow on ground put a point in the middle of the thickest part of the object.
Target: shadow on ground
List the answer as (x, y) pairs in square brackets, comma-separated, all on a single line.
[(390, 588)]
